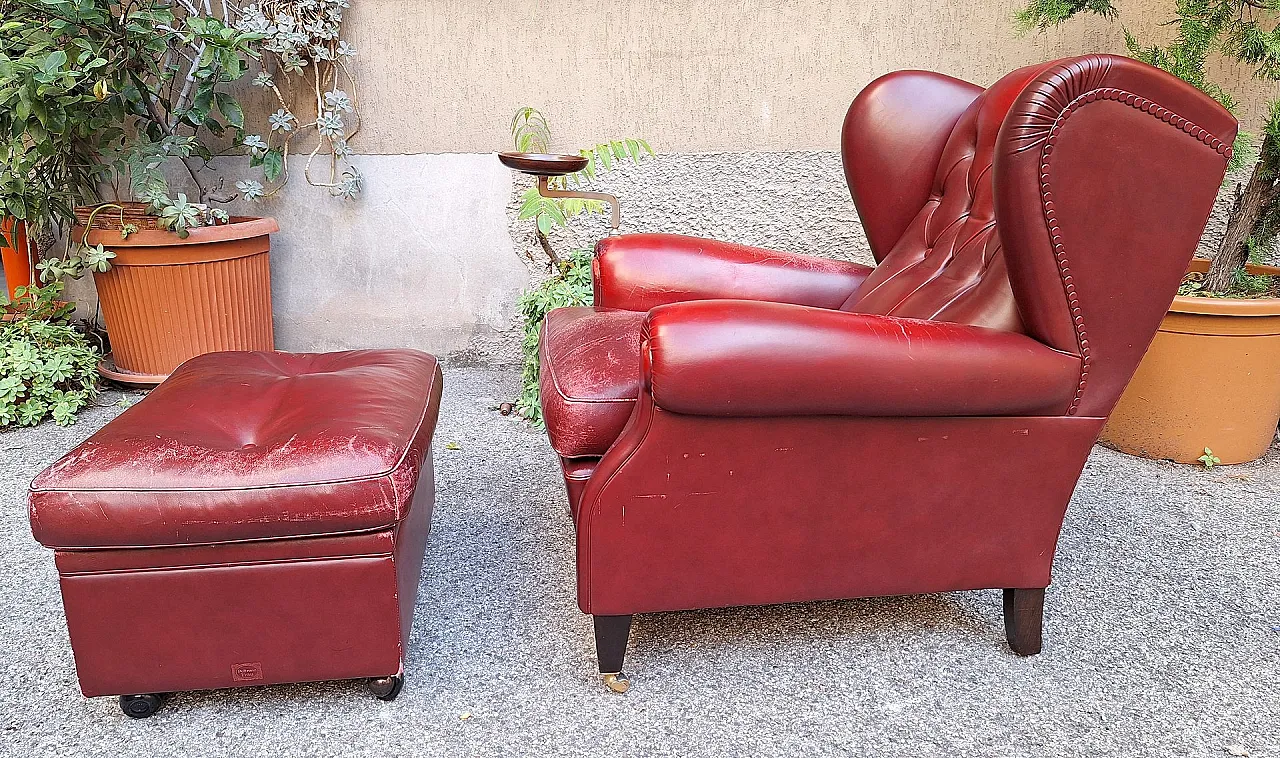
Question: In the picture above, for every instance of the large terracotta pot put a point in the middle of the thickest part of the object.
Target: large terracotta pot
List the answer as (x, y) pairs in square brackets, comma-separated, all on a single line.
[(14, 258), (166, 299), (1210, 379)]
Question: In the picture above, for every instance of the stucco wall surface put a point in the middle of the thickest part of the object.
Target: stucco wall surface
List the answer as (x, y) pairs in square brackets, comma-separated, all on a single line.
[(688, 75), (421, 259), (796, 201)]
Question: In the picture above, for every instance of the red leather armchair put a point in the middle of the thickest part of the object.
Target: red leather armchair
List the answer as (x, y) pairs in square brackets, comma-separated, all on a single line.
[(742, 426)]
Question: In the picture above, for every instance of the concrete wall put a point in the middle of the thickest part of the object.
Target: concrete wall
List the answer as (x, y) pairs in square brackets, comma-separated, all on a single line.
[(689, 75), (743, 101), (415, 261)]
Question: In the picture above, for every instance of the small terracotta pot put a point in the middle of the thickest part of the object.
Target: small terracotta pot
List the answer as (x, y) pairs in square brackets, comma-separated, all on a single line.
[(166, 299), (116, 215), (15, 258), (1211, 378)]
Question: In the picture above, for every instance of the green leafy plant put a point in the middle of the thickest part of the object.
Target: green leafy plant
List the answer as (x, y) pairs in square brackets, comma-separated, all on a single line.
[(570, 282), (1209, 460), (1244, 31), (531, 133), (56, 118), (1042, 14), (1246, 286), (569, 287), (47, 367), (108, 93), (153, 75)]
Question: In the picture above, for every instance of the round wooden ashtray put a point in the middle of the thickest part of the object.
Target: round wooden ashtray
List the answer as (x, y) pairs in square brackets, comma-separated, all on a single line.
[(542, 164)]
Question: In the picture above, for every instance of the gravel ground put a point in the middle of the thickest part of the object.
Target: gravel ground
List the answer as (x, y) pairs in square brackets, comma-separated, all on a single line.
[(1162, 636)]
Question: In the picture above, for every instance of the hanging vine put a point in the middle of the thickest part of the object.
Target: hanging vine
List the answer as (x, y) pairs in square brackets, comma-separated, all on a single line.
[(303, 50)]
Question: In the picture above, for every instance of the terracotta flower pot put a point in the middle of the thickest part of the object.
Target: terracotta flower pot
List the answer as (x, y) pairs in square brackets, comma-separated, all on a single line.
[(15, 258), (1210, 379), (166, 299)]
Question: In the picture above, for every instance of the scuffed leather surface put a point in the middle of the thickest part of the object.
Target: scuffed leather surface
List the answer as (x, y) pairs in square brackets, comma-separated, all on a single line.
[(182, 629), (590, 377), (246, 446), (704, 512), (297, 609), (948, 265), (641, 271), (891, 144), (805, 361), (1106, 172)]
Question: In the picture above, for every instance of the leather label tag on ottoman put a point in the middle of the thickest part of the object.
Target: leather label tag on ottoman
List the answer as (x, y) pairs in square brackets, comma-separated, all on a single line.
[(246, 672)]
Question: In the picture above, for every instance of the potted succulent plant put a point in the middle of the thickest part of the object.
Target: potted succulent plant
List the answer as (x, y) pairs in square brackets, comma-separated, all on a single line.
[(1208, 390), (105, 98), (46, 364)]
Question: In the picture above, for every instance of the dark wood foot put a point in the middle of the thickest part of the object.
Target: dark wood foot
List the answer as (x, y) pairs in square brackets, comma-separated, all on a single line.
[(611, 642), (1024, 619)]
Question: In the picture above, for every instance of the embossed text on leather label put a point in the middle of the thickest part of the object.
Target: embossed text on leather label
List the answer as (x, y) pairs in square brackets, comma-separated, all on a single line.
[(246, 672)]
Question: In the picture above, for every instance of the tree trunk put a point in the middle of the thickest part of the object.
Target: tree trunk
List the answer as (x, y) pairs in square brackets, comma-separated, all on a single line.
[(1258, 194)]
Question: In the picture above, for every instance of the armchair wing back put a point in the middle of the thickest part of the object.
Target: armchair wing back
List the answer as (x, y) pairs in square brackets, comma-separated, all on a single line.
[(1106, 172), (745, 426)]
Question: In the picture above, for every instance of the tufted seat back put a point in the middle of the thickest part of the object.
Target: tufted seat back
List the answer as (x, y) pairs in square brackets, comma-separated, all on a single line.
[(947, 264), (1064, 202)]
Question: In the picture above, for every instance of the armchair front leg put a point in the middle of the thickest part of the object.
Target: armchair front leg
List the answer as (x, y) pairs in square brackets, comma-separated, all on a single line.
[(1024, 619), (611, 648)]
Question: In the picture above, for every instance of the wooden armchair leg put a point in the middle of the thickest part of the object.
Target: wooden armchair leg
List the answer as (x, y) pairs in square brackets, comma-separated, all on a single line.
[(611, 649), (1024, 619)]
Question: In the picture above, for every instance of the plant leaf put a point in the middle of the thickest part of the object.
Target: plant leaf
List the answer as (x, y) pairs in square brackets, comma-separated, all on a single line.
[(272, 163)]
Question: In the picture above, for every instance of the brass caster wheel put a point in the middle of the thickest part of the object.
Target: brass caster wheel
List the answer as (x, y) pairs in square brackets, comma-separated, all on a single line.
[(616, 682), (387, 687), (140, 706)]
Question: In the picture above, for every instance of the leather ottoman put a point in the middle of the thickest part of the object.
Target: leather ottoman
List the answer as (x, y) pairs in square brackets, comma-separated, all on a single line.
[(259, 518)]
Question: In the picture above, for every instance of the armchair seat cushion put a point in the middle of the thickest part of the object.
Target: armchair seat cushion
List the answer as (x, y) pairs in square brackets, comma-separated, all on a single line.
[(590, 377)]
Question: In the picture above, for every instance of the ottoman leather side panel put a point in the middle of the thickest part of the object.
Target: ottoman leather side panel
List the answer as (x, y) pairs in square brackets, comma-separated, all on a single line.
[(227, 626), (411, 546)]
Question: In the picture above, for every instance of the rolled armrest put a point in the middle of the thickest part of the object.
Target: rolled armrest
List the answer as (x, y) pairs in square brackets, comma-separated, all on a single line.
[(638, 272), (741, 358)]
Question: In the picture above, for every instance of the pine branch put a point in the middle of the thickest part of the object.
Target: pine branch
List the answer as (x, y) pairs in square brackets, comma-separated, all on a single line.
[(1043, 14)]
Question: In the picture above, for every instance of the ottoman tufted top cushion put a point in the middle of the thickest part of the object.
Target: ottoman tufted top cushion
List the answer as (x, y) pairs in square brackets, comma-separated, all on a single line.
[(249, 446)]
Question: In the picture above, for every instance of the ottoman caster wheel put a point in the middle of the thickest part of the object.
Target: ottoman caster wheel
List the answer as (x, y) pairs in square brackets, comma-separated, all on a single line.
[(387, 687), (140, 706), (616, 682)]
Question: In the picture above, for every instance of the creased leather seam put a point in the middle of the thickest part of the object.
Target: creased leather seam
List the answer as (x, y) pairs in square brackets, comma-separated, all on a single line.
[(219, 543), (232, 564)]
